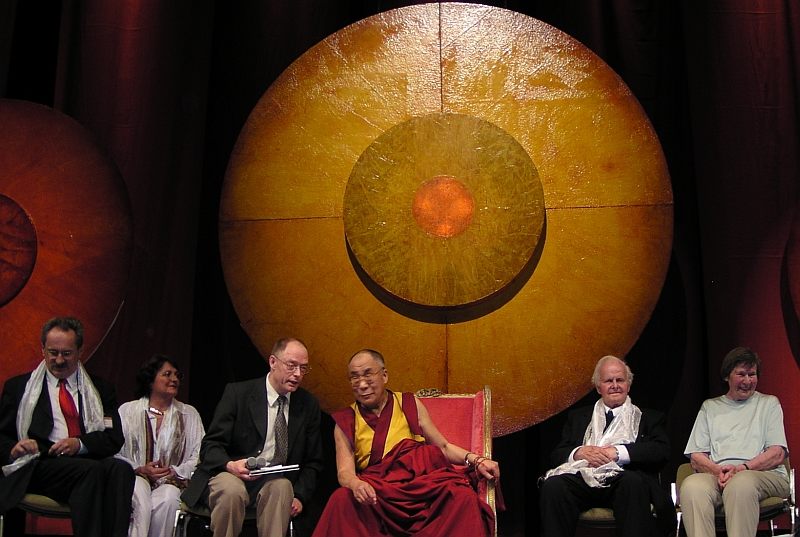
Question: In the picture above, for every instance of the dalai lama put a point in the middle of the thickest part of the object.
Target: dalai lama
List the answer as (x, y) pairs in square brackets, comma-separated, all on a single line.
[(396, 469)]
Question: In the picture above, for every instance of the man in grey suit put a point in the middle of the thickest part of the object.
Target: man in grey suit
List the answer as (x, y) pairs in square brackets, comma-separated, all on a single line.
[(271, 419)]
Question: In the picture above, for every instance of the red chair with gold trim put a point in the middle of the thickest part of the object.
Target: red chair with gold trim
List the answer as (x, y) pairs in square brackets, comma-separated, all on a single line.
[(465, 420)]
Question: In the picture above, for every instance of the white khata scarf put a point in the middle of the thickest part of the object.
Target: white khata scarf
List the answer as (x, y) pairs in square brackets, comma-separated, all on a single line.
[(140, 438), (624, 429), (91, 409)]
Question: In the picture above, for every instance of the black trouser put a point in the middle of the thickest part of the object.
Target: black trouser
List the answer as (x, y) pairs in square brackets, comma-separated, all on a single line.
[(563, 497), (98, 492)]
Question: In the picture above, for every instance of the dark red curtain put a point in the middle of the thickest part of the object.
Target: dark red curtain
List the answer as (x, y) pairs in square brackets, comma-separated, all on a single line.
[(166, 87)]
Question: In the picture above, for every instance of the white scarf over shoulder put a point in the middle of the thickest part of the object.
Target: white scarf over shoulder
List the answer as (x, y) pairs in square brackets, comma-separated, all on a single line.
[(91, 409), (624, 429), (171, 445)]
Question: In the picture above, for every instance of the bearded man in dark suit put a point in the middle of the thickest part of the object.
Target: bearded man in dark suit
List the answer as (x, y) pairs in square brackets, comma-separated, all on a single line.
[(59, 430), (244, 427), (609, 456)]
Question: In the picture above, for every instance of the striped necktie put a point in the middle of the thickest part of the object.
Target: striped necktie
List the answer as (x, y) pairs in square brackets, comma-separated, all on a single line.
[(281, 434)]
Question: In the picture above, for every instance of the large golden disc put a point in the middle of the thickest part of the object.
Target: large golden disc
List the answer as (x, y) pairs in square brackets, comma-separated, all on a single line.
[(600, 258), (65, 235)]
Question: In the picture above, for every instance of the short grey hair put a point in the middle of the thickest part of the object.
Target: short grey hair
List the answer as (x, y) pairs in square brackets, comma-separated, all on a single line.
[(608, 358)]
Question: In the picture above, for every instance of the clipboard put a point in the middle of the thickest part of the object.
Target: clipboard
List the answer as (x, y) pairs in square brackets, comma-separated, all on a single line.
[(279, 469)]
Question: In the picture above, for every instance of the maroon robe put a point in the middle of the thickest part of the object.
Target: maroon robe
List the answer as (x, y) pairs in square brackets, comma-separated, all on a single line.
[(419, 493)]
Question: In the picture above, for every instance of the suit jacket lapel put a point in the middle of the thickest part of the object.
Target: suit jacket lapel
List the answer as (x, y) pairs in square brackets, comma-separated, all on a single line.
[(258, 410), (582, 424), (42, 419), (295, 417)]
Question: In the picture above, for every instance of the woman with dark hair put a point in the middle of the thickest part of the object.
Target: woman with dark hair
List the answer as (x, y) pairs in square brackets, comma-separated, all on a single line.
[(162, 444)]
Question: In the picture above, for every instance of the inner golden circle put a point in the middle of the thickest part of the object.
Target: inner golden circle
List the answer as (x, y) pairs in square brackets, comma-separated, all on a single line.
[(477, 210)]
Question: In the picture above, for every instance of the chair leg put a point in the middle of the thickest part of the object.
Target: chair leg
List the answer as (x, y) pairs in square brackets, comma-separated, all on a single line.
[(179, 529), (174, 525), (2, 523)]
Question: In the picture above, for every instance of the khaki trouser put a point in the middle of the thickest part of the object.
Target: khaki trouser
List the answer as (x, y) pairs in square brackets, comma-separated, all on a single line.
[(700, 497), (229, 496)]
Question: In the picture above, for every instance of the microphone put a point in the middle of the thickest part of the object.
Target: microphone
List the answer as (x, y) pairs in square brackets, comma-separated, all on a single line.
[(254, 464)]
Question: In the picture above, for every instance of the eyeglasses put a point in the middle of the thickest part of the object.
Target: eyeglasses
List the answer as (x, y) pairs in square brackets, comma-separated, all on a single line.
[(169, 374), (368, 375), (55, 352), (291, 368)]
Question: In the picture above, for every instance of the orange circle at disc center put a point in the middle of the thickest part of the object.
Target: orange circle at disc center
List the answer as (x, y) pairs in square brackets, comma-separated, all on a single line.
[(443, 206)]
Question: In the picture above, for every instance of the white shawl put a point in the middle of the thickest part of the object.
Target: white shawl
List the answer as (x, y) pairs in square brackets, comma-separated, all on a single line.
[(91, 409), (624, 429), (177, 444)]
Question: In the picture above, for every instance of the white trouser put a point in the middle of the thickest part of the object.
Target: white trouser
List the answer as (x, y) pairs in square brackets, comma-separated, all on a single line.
[(153, 512)]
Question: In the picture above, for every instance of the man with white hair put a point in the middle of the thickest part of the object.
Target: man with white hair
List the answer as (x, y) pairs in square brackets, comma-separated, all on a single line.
[(609, 456)]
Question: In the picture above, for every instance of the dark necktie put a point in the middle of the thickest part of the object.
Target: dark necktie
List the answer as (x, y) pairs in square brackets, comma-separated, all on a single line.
[(281, 434), (609, 419), (68, 409)]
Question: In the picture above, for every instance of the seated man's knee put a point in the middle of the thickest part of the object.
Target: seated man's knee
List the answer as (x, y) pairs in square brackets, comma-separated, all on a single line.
[(281, 487), (553, 490), (276, 490), (341, 494), (117, 469), (228, 489), (741, 486), (698, 487), (633, 482), (464, 495)]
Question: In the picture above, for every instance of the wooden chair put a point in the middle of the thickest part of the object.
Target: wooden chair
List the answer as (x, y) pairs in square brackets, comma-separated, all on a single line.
[(41, 506), (770, 508), (465, 420)]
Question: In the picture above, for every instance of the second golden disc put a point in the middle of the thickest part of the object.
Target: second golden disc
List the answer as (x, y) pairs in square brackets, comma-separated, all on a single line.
[(443, 210)]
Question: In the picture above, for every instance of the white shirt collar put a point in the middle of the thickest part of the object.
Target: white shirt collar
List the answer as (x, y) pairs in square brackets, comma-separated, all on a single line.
[(272, 394), (72, 380)]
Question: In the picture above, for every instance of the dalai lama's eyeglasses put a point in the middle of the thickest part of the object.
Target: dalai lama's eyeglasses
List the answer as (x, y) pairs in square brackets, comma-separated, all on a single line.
[(368, 375)]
